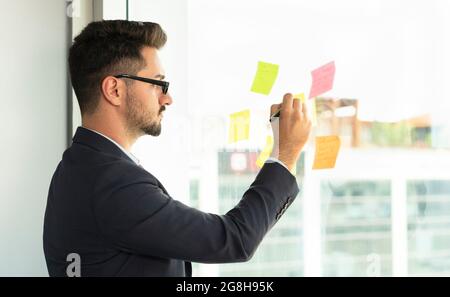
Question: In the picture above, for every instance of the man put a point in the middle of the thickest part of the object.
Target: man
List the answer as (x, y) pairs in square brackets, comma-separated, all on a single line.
[(117, 218)]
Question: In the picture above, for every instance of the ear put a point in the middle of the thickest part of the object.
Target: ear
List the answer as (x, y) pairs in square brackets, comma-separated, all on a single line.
[(113, 90)]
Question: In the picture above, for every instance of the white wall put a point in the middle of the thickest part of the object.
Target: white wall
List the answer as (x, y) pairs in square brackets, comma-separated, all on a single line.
[(33, 126)]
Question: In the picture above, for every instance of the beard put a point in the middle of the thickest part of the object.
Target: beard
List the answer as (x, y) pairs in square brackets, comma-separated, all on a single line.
[(141, 121)]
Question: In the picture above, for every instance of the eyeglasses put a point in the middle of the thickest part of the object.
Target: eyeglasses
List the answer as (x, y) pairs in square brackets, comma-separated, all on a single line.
[(164, 84)]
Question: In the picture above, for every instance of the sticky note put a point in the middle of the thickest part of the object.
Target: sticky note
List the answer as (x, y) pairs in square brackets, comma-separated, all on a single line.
[(327, 149), (300, 97), (265, 154), (265, 77), (239, 126), (322, 79)]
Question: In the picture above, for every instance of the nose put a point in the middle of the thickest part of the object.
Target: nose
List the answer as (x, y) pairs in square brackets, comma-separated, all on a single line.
[(165, 99)]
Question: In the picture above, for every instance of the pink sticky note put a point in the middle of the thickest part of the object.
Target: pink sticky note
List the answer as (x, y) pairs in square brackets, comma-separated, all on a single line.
[(322, 80)]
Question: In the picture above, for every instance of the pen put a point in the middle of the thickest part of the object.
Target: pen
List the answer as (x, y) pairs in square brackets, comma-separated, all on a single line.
[(275, 115)]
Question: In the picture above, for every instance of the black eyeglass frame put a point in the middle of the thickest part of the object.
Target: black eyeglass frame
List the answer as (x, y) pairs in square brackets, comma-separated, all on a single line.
[(164, 84)]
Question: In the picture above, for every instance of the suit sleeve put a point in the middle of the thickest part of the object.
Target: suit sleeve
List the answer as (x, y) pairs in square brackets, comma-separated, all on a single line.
[(138, 217)]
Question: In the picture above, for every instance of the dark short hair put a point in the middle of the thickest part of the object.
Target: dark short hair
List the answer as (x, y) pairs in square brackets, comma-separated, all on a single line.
[(108, 48)]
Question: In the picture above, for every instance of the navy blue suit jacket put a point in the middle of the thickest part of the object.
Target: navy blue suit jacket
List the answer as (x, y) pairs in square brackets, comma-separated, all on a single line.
[(122, 222)]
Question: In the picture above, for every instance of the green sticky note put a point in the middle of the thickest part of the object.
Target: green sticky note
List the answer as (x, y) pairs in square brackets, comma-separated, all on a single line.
[(265, 77)]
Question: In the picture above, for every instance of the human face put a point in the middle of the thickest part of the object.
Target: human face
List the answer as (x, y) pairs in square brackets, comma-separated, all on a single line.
[(146, 102)]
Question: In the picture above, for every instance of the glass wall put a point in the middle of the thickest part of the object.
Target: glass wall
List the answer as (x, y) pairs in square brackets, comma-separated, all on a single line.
[(429, 227), (383, 210)]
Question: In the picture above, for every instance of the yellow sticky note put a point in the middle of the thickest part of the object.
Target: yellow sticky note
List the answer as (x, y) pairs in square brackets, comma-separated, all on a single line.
[(239, 126), (327, 149), (300, 97), (265, 77), (265, 154)]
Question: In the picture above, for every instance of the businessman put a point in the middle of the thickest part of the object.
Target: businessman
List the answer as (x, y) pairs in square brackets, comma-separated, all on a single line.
[(111, 213)]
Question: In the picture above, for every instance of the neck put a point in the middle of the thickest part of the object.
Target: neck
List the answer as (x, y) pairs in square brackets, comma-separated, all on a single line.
[(112, 128)]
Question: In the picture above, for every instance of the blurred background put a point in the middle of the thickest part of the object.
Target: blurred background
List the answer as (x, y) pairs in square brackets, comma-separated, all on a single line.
[(384, 210)]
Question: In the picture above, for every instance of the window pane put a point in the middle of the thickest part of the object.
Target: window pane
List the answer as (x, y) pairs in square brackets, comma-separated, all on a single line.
[(383, 209), (428, 227), (357, 227)]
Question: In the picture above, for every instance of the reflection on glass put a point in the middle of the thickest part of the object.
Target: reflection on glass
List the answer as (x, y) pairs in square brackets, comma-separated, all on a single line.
[(429, 227), (356, 217)]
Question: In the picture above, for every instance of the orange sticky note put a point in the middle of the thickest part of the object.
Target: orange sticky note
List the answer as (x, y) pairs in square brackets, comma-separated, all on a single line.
[(239, 126), (322, 79), (327, 149)]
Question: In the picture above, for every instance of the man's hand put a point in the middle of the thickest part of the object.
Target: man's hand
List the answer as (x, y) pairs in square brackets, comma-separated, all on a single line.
[(294, 127)]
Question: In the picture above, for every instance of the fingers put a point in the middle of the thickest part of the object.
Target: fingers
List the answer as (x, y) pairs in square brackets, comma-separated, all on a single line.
[(290, 103), (274, 108), (297, 105), (287, 102)]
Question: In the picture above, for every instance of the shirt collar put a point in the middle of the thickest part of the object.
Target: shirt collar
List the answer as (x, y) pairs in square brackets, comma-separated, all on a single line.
[(130, 155)]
